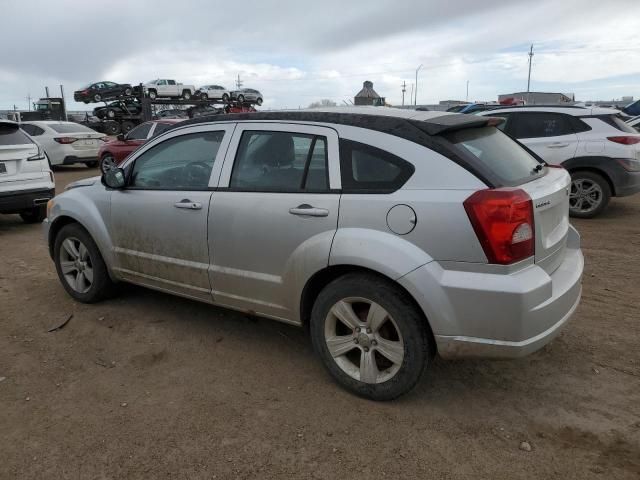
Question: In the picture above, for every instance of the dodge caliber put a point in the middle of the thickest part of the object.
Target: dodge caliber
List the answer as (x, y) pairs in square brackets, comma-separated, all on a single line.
[(391, 235)]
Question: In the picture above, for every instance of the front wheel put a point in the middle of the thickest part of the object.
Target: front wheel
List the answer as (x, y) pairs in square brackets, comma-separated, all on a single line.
[(259, 101), (35, 215), (225, 98), (128, 91), (204, 97), (186, 95), (80, 266), (97, 97), (107, 162), (153, 94), (590, 194), (371, 337), (241, 98)]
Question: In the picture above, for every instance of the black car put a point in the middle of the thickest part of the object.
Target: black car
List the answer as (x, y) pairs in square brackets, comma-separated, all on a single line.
[(119, 108), (101, 91)]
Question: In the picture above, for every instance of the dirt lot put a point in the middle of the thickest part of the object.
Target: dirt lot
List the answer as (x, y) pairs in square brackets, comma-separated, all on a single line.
[(153, 386)]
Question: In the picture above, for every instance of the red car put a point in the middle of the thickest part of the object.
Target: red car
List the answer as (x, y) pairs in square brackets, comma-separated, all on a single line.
[(113, 152)]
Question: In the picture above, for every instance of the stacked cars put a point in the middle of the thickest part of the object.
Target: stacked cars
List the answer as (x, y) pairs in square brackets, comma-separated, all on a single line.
[(102, 91)]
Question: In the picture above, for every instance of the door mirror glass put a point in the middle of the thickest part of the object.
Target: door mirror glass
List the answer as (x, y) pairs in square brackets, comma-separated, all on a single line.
[(114, 178)]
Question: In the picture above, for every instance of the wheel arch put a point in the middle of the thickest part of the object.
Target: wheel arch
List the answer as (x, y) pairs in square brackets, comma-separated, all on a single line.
[(591, 164), (322, 278)]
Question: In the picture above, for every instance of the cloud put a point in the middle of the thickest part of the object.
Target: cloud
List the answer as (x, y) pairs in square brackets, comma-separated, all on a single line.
[(298, 52)]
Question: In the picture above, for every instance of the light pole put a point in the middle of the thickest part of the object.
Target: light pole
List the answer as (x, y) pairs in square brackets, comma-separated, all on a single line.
[(415, 98), (467, 90)]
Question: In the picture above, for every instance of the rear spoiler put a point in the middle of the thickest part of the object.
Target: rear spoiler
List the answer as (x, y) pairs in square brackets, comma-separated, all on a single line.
[(450, 123)]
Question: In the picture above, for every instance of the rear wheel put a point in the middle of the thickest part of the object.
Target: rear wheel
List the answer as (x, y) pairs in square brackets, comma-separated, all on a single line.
[(107, 162), (225, 98), (128, 91), (80, 266), (127, 127), (590, 194), (371, 337), (186, 95), (241, 98), (112, 128), (35, 215), (97, 97), (111, 113), (259, 101), (204, 96), (153, 94)]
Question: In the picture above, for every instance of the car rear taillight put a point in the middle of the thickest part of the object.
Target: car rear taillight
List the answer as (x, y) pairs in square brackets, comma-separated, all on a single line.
[(65, 140), (625, 140), (503, 222)]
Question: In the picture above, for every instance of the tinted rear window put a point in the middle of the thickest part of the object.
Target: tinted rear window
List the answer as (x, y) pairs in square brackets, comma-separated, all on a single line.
[(497, 153), (12, 135), (617, 123), (70, 128)]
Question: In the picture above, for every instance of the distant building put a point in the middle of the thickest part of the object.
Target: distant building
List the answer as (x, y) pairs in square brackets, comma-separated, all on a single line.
[(368, 96), (533, 98)]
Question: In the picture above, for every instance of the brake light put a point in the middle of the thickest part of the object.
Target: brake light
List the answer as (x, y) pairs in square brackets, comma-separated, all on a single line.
[(65, 140), (503, 222), (625, 140)]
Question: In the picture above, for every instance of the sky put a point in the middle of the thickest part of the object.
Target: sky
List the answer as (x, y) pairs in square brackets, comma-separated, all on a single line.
[(298, 52)]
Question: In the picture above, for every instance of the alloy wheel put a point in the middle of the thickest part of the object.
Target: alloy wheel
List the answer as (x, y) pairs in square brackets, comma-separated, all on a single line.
[(76, 265), (107, 163), (586, 195), (364, 340)]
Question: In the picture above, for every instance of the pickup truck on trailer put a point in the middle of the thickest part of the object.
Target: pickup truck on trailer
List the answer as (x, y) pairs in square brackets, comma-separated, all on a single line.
[(165, 88)]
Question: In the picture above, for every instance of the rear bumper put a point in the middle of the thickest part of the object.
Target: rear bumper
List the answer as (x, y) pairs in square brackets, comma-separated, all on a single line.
[(498, 315), (18, 201), (627, 183), (71, 159)]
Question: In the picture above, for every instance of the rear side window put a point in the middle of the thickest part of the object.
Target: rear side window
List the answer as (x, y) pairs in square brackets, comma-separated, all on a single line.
[(541, 124), (70, 128), (617, 123), (12, 135), (367, 169), (269, 161), (140, 132), (32, 130), (497, 153), (578, 125)]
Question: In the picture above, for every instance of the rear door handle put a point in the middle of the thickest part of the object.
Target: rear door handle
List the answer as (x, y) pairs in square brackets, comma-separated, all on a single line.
[(558, 145), (188, 204), (307, 210)]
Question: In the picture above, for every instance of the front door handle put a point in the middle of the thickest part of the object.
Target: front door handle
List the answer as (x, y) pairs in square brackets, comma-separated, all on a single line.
[(188, 204), (558, 145), (307, 210)]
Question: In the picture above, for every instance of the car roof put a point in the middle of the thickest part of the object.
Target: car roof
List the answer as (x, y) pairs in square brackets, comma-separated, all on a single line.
[(576, 111), (412, 123), (49, 122), (166, 120)]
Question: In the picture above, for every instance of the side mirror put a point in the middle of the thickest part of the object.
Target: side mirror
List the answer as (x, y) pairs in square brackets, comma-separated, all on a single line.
[(121, 137), (114, 178)]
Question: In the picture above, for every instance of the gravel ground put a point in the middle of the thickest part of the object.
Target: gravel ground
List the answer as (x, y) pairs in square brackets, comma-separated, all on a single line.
[(153, 386)]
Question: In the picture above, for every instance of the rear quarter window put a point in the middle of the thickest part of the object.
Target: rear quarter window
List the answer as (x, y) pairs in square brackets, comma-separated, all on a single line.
[(12, 135), (617, 123), (489, 150)]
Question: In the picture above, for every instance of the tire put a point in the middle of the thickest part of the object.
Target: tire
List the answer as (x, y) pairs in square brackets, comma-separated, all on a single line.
[(35, 215), (107, 162), (126, 127), (97, 97), (590, 194), (153, 94), (128, 92), (112, 128), (204, 97), (241, 98), (99, 284), (186, 95), (402, 329), (111, 113), (259, 101), (100, 114), (92, 164), (225, 98)]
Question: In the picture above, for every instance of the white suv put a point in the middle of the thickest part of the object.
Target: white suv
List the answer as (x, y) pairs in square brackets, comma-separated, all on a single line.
[(26, 182), (595, 145)]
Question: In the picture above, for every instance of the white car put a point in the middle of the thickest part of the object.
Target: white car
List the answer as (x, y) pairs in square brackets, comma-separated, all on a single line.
[(596, 146), (26, 181), (66, 143), (166, 88), (213, 92), (634, 122)]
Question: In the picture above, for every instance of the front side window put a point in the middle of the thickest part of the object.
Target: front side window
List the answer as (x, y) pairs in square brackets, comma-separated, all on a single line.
[(368, 169), (280, 162), (140, 132), (541, 124), (171, 82), (179, 163), (161, 127)]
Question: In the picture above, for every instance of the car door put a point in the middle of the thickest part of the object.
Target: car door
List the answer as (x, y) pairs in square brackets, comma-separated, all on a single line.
[(274, 215), (548, 134), (159, 220)]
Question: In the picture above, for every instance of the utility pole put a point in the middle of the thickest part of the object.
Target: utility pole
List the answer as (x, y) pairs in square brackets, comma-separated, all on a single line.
[(530, 62), (415, 98), (239, 82), (404, 89), (411, 97), (467, 90), (28, 102)]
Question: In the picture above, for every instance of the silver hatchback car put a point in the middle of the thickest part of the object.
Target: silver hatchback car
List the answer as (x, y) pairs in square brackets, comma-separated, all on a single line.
[(392, 235)]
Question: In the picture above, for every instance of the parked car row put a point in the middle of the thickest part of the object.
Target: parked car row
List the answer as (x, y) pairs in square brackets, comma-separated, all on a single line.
[(462, 214)]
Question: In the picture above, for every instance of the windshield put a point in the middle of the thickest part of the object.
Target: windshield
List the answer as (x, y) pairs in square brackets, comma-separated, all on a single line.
[(70, 128), (498, 154)]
